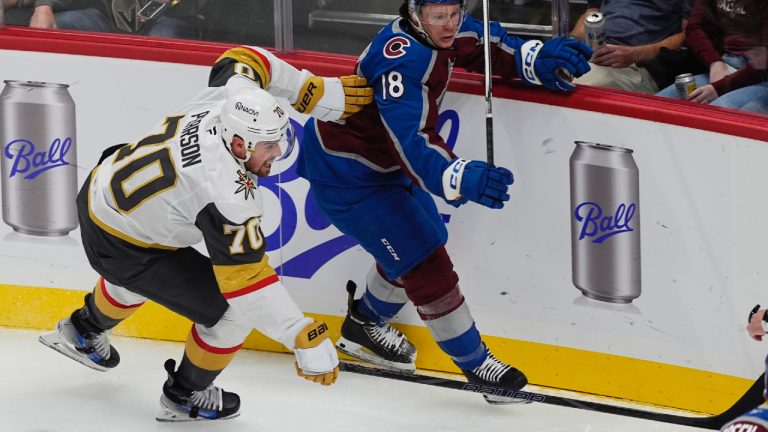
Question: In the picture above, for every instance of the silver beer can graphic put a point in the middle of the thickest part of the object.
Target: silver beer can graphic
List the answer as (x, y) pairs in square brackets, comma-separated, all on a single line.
[(685, 85), (39, 159), (594, 30), (605, 222)]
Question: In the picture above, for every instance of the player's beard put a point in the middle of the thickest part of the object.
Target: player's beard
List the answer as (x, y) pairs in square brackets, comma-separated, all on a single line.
[(264, 169)]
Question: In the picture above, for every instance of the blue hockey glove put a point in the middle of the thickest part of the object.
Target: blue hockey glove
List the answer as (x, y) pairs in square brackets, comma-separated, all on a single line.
[(476, 181), (458, 202), (544, 63)]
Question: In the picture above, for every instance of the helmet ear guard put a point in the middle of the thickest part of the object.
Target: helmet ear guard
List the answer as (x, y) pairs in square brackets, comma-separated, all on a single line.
[(255, 116)]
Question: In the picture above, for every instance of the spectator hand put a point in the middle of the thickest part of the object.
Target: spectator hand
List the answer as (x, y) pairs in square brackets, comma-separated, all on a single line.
[(43, 18), (330, 99), (755, 326), (541, 63), (476, 181), (615, 56), (717, 71), (704, 94)]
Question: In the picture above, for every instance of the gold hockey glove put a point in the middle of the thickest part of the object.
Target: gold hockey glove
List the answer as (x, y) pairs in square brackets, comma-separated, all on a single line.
[(316, 358), (330, 99)]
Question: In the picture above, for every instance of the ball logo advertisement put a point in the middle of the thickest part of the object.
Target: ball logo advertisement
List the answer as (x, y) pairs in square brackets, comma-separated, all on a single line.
[(39, 158), (605, 222)]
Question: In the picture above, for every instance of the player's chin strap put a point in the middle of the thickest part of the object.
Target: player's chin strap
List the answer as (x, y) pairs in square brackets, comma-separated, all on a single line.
[(417, 27)]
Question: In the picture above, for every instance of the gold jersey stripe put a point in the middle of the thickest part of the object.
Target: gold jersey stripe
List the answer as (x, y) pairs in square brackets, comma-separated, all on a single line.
[(233, 278), (119, 234), (254, 59), (206, 356), (109, 306)]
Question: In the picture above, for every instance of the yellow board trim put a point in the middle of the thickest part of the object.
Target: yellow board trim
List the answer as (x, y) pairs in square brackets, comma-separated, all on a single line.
[(546, 365)]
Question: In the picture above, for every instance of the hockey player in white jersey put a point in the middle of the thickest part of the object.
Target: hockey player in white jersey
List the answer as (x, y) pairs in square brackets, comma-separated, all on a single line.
[(195, 177)]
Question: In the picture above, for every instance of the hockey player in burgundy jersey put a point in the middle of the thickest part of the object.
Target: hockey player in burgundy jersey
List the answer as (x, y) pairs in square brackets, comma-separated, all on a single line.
[(372, 177), (196, 178)]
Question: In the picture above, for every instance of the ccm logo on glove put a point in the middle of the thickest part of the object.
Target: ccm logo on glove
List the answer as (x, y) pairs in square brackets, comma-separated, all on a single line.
[(456, 169), (530, 57), (531, 51)]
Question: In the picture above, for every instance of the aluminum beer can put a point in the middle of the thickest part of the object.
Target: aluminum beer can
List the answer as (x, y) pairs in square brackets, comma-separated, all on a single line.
[(39, 158), (594, 30), (605, 222), (685, 85)]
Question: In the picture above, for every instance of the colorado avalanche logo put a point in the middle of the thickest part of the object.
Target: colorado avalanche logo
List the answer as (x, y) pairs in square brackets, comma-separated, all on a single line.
[(395, 47), (246, 185)]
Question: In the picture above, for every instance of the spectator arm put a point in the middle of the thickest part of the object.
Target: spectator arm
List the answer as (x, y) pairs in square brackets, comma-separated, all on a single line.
[(578, 29), (650, 51)]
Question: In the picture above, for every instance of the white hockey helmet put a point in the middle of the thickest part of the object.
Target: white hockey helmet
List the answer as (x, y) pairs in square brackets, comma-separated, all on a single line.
[(255, 116)]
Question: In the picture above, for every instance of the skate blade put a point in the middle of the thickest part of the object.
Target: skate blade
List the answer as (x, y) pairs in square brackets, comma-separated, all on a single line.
[(360, 352), (55, 341), (168, 414), (501, 400)]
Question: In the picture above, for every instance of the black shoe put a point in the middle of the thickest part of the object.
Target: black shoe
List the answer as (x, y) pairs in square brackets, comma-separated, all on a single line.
[(495, 373), (375, 342), (179, 403)]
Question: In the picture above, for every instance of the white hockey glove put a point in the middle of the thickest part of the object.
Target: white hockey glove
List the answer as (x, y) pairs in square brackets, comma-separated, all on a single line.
[(316, 358), (331, 99)]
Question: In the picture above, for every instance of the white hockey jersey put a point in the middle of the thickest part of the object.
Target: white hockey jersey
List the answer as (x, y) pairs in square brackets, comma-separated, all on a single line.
[(150, 193), (181, 185)]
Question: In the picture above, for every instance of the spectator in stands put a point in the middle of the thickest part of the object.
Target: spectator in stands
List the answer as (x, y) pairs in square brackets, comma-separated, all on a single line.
[(17, 12), (174, 18), (730, 37), (635, 32)]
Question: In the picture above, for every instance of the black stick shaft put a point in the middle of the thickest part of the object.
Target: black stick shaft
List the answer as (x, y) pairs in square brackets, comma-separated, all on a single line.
[(751, 399), (488, 89), (489, 137)]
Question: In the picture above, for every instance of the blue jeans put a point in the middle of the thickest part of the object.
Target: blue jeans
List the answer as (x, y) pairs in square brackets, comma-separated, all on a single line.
[(93, 19), (752, 98)]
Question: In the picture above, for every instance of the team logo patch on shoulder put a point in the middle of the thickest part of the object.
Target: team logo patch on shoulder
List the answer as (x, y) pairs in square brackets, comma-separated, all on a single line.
[(245, 185), (395, 47)]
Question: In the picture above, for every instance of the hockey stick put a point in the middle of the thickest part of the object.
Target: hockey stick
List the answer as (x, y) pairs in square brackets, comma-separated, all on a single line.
[(752, 398), (488, 90)]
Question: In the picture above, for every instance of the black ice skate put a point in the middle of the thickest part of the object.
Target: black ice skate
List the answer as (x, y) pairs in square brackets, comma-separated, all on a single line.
[(378, 343), (179, 404), (90, 349), (493, 372)]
